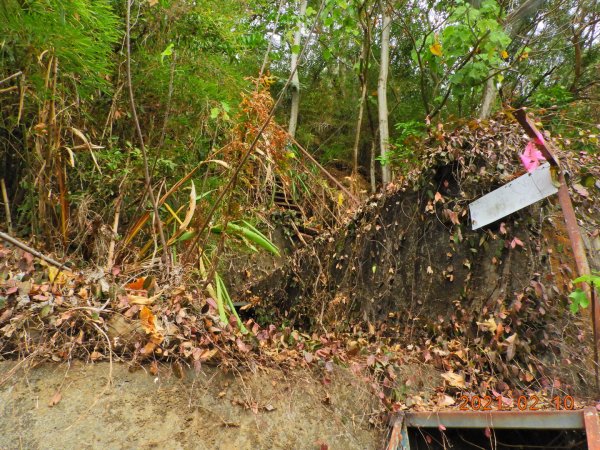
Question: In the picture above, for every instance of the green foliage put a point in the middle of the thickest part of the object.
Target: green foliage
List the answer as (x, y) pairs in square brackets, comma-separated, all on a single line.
[(551, 96), (468, 30), (579, 299), (402, 153), (79, 33)]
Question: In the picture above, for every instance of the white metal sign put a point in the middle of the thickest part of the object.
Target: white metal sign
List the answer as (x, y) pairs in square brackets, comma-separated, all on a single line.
[(513, 196)]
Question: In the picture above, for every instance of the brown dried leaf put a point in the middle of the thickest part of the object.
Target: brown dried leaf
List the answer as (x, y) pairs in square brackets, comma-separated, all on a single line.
[(455, 379), (55, 399)]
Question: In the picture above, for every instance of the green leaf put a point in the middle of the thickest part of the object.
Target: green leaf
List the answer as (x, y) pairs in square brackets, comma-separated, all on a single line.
[(249, 232), (186, 236), (590, 279), (296, 49), (574, 308), (45, 311), (166, 52), (579, 300), (214, 113)]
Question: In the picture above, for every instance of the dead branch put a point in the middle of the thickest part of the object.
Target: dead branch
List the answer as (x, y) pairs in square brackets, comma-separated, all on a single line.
[(14, 75), (27, 248)]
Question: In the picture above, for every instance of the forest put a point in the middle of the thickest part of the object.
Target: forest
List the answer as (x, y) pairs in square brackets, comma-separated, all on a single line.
[(244, 186)]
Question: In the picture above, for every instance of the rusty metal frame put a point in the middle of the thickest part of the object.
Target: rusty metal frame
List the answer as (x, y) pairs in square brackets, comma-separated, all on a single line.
[(573, 230), (399, 434), (583, 419), (592, 427)]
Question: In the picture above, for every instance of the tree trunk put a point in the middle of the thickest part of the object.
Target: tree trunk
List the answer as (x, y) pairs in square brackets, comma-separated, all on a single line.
[(489, 96), (384, 134), (578, 59), (364, 70), (295, 83)]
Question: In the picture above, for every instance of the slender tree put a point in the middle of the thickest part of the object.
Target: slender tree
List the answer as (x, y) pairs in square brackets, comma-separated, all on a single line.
[(362, 75), (384, 134), (295, 83)]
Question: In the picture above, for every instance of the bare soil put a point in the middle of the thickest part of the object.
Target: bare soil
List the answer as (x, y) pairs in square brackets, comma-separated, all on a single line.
[(209, 409)]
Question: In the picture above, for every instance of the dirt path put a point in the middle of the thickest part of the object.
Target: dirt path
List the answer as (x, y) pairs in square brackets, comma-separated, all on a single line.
[(208, 410)]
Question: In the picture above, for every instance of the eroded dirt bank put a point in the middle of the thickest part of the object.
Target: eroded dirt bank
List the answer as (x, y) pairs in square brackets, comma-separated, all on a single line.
[(211, 410)]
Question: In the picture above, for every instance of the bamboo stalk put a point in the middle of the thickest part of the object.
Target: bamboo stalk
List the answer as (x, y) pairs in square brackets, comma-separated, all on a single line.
[(6, 206)]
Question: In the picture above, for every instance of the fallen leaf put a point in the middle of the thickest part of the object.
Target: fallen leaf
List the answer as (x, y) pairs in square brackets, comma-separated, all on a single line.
[(511, 343), (149, 325), (244, 348), (308, 357), (455, 379), (516, 241), (581, 190), (140, 299), (445, 400), (209, 354), (55, 399), (489, 325), (136, 285)]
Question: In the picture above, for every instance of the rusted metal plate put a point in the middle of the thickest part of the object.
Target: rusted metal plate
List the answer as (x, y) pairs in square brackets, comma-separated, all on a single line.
[(513, 196), (537, 420), (592, 428)]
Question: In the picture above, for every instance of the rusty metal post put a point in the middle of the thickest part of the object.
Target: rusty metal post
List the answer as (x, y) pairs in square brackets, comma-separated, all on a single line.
[(592, 427), (573, 231), (399, 435)]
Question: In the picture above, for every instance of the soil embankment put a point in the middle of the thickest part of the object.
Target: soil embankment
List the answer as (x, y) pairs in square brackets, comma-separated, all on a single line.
[(210, 409)]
